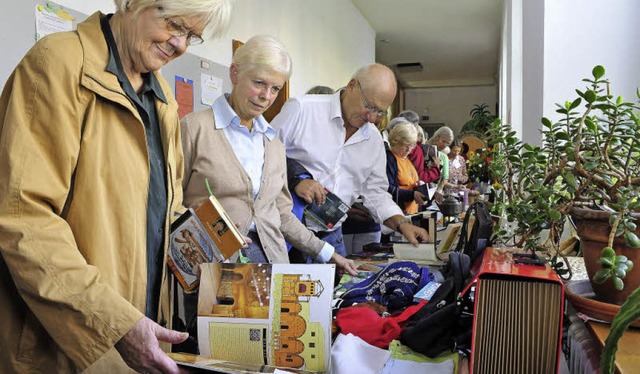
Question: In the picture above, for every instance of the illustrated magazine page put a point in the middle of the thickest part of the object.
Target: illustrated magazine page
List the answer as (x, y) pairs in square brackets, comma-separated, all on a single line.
[(267, 314)]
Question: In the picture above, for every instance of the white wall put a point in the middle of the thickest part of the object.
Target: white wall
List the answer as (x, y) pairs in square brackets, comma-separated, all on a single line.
[(450, 105), (328, 40), (559, 43), (580, 34), (511, 83), (532, 69)]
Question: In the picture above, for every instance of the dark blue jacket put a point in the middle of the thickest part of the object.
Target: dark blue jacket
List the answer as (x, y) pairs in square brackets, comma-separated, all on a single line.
[(400, 195)]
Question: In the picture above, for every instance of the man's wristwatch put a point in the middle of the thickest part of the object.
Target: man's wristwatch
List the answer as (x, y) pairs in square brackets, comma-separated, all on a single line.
[(400, 222)]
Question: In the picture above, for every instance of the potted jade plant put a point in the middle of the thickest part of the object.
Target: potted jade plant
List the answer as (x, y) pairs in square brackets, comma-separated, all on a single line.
[(589, 169)]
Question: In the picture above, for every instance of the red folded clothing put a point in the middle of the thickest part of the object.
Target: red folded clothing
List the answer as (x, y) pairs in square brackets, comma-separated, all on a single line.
[(371, 327)]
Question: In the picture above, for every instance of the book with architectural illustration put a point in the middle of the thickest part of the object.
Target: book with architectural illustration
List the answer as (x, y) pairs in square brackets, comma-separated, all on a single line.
[(327, 215), (201, 235), (267, 314)]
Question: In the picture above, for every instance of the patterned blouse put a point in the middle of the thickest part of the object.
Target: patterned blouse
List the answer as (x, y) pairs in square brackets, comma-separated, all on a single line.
[(458, 170)]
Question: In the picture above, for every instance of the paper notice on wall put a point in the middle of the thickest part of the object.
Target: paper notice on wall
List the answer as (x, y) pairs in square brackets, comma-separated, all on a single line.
[(211, 88), (184, 96), (50, 19)]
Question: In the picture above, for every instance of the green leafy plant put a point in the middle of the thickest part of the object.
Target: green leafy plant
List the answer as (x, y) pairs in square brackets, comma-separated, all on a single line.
[(629, 312), (481, 119), (478, 165), (589, 158)]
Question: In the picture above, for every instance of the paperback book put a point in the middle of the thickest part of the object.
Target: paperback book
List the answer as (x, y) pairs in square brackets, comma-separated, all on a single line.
[(201, 235), (328, 214), (426, 292)]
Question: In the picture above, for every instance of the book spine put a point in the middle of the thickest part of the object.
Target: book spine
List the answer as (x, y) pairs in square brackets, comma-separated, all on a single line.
[(188, 288)]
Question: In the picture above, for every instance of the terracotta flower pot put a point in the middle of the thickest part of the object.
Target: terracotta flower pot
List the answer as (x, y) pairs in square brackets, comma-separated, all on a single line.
[(593, 230)]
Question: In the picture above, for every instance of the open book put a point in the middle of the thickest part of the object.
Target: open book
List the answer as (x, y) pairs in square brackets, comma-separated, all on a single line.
[(204, 364), (428, 253), (328, 214), (267, 314), (201, 235)]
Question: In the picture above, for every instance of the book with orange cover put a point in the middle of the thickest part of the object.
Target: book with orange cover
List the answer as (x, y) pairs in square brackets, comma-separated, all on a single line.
[(202, 235)]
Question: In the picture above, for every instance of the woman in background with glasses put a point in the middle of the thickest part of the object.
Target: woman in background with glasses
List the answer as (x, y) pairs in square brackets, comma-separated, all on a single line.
[(402, 175), (90, 179)]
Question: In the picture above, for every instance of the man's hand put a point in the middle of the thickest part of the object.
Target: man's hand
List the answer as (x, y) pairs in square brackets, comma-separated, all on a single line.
[(140, 350), (309, 190), (413, 234), (343, 264)]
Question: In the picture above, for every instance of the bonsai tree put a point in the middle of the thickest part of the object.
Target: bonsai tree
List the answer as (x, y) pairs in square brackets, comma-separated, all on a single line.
[(590, 158)]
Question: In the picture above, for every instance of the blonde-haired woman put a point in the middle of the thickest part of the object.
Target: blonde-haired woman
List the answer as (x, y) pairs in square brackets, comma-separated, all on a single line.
[(402, 175), (233, 146)]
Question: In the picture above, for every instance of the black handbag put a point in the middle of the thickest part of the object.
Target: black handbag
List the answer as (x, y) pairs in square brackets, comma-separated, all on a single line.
[(474, 242), (444, 323)]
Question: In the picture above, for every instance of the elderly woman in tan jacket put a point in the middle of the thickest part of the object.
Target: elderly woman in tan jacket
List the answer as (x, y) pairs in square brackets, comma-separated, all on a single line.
[(90, 179), (234, 147)]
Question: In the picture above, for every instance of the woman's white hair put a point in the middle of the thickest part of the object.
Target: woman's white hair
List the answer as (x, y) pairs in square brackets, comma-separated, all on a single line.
[(263, 51), (215, 14), (403, 133), (420, 131), (441, 132)]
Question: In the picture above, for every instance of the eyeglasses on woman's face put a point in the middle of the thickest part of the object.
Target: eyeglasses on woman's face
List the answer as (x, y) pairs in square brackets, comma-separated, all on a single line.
[(372, 109), (178, 30)]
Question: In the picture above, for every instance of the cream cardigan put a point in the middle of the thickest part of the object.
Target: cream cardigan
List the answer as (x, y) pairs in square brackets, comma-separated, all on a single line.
[(208, 154)]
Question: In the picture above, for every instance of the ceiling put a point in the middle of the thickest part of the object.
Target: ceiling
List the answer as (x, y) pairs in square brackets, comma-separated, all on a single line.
[(456, 41)]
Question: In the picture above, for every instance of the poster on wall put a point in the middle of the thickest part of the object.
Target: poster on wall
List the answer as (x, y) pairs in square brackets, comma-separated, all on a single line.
[(211, 88), (50, 19), (184, 95)]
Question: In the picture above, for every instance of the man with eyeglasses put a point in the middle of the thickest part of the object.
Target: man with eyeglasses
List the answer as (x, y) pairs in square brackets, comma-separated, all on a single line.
[(334, 138)]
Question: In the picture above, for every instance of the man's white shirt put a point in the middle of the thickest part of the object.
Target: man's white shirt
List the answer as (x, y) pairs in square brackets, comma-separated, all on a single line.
[(312, 130)]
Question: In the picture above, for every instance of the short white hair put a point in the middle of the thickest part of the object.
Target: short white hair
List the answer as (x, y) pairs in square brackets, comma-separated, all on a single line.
[(442, 132), (214, 14), (263, 51)]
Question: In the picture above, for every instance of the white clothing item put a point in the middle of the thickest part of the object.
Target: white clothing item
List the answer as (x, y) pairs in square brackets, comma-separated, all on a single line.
[(456, 163), (350, 354), (446, 150), (312, 130), (393, 366)]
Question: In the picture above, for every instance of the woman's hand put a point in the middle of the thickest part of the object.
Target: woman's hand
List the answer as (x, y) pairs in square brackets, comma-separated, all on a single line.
[(344, 265), (436, 160)]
